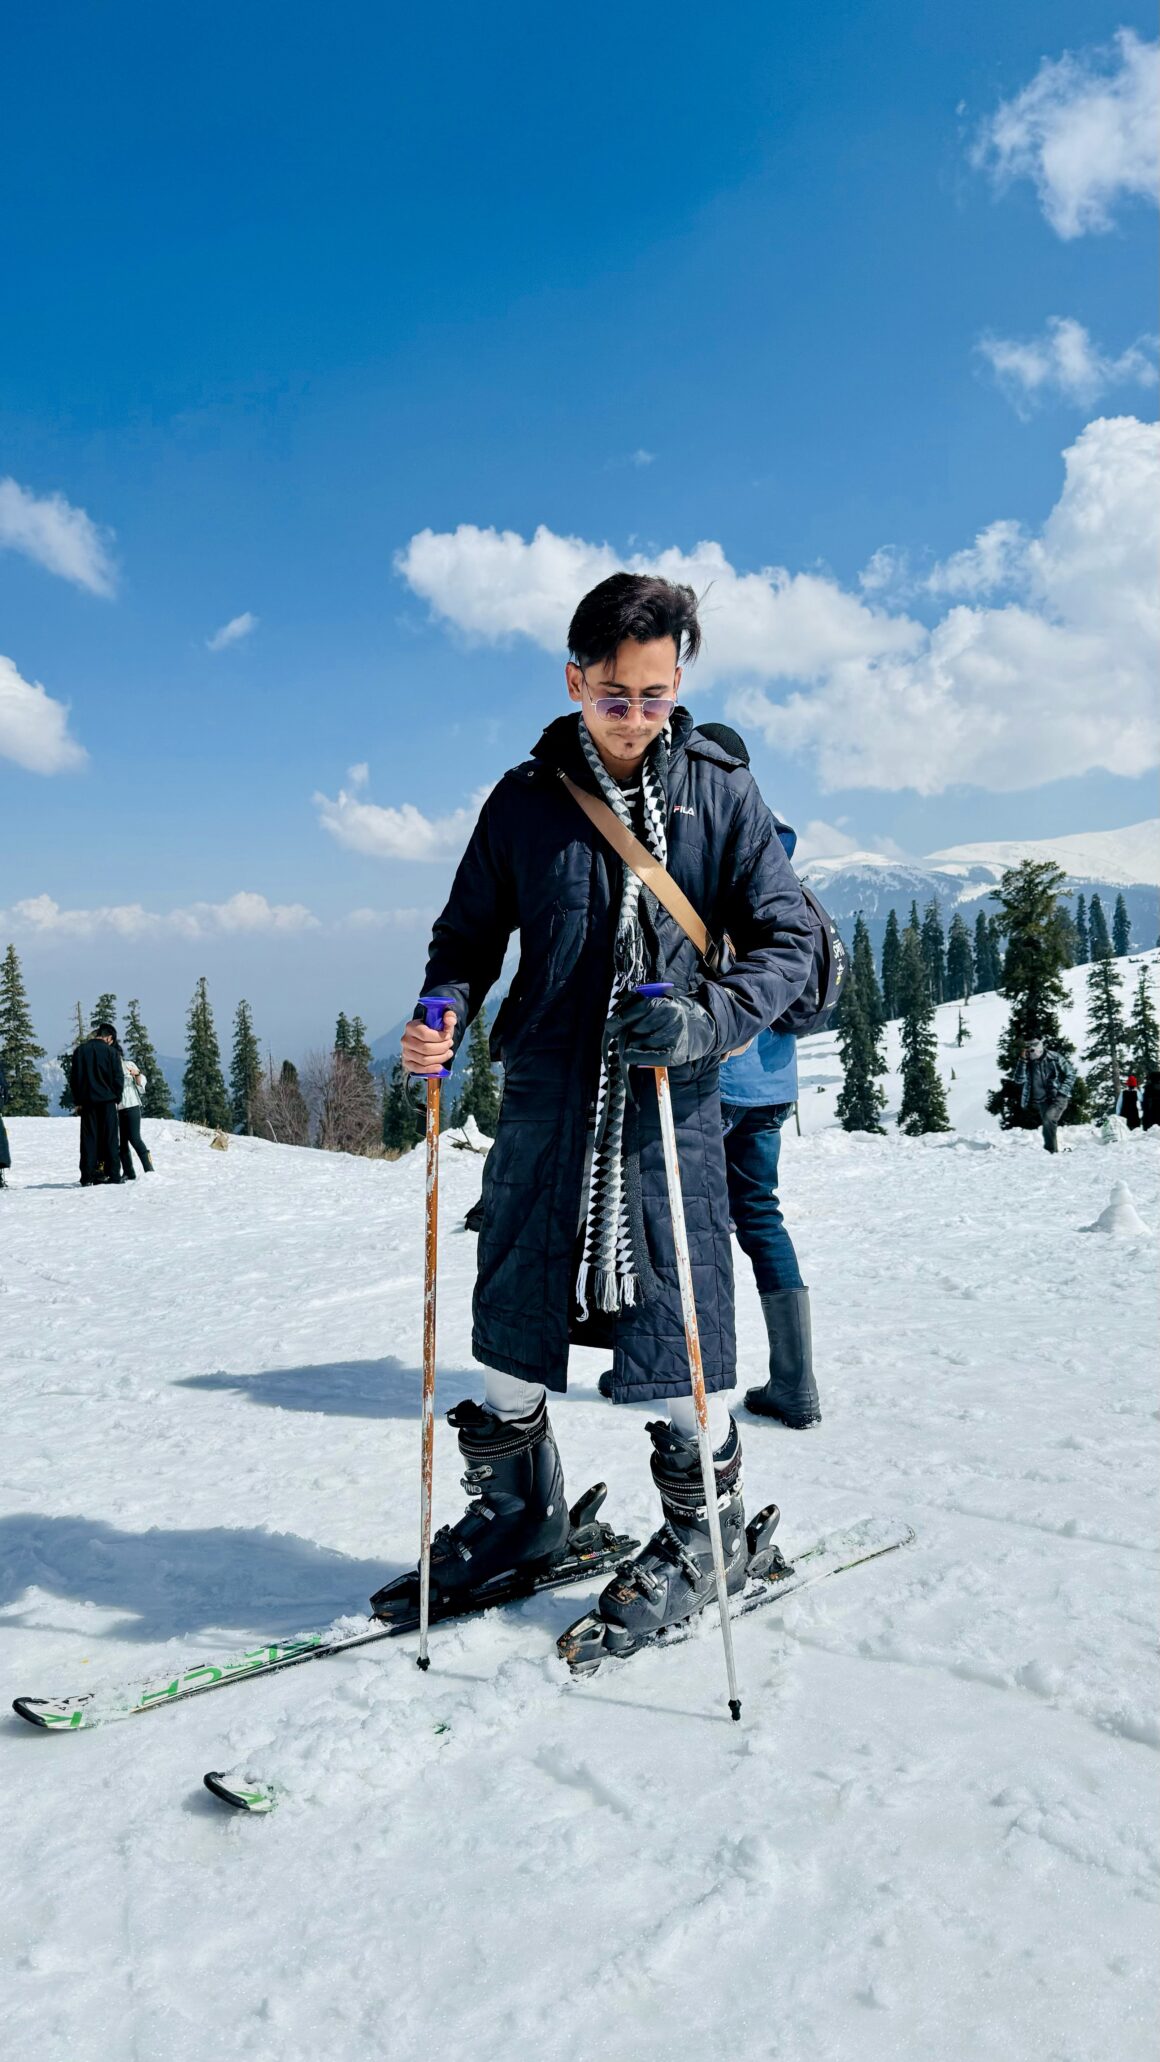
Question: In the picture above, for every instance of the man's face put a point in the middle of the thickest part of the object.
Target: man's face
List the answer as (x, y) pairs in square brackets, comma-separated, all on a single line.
[(639, 672)]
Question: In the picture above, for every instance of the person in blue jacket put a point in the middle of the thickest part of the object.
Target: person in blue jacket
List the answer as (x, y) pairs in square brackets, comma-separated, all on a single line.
[(759, 1088)]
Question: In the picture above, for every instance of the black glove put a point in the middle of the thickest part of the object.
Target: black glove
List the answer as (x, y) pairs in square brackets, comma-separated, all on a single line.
[(660, 1030)]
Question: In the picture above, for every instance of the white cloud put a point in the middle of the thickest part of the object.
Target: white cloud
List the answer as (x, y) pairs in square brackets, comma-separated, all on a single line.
[(1053, 680), (232, 632), (821, 840), (887, 570), (34, 728), (995, 560), (387, 919), (1084, 132), (61, 538), (39, 916), (492, 585), (643, 458), (1065, 361), (402, 833), (1056, 681)]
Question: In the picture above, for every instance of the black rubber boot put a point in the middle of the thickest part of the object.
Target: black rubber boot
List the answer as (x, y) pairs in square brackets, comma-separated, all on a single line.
[(518, 1516), (791, 1394), (672, 1578)]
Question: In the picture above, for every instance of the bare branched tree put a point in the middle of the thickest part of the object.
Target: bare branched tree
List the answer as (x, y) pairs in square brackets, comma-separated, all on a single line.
[(343, 1099), (280, 1109)]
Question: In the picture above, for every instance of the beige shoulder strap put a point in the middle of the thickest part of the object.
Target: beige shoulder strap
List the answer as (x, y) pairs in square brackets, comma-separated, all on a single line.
[(649, 870)]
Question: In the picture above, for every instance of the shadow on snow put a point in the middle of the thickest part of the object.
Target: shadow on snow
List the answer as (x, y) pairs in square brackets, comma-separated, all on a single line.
[(172, 1583), (344, 1388)]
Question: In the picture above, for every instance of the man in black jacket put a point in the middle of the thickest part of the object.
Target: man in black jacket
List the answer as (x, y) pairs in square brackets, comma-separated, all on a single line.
[(96, 1083), (576, 1244), (5, 1154)]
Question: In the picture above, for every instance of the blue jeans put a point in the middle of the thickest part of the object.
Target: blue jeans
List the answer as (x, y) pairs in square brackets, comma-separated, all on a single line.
[(752, 1147)]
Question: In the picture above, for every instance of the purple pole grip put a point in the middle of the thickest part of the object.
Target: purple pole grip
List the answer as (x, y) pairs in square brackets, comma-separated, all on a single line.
[(654, 988), (434, 1006)]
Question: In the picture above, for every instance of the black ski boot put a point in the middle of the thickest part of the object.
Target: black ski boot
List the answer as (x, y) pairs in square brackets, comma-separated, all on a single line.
[(672, 1578), (514, 1528)]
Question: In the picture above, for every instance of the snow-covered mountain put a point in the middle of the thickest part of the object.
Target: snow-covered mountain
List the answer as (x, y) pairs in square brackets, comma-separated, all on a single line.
[(1107, 863)]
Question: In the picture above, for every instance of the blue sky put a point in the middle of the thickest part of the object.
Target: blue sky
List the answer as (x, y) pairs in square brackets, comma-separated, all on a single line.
[(286, 288)]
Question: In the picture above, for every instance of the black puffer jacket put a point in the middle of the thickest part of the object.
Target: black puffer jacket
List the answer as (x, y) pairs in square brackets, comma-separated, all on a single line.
[(96, 1074), (535, 864)]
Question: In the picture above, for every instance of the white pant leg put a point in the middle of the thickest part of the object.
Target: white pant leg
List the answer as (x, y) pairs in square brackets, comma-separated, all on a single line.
[(510, 1398), (683, 1417)]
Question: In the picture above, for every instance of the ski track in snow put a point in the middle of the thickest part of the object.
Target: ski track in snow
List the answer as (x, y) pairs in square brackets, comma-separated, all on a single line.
[(934, 1833)]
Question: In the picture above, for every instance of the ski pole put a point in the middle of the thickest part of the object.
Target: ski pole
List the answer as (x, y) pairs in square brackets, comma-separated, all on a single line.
[(693, 1346), (434, 1006)]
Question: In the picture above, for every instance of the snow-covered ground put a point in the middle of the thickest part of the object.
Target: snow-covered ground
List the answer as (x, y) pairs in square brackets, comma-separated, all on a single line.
[(933, 1836)]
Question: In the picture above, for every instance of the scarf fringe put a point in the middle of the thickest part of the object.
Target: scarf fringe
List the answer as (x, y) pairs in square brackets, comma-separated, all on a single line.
[(609, 1292)]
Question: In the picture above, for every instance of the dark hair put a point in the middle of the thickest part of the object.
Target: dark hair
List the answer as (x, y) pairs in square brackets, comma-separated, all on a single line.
[(729, 740), (106, 1031), (633, 608)]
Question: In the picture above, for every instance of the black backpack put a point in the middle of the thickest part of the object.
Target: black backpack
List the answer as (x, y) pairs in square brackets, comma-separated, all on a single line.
[(818, 1000)]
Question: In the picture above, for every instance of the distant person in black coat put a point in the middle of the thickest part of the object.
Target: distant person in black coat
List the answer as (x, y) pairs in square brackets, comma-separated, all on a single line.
[(1151, 1106), (1128, 1106), (96, 1083), (5, 1149)]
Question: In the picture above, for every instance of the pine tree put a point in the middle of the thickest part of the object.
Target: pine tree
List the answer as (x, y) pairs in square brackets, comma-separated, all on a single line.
[(1032, 965), (480, 1097), (203, 1089), (891, 951), (960, 971), (924, 1104), (912, 922), (1121, 929), (342, 1033), (1067, 931), (1101, 944), (861, 1101), (1104, 1057), (401, 1121), (357, 1045), (862, 972), (1083, 951), (963, 1032), (104, 1012), (984, 976), (19, 1051), (156, 1101), (934, 951), (64, 1059), (245, 1071), (1143, 1031)]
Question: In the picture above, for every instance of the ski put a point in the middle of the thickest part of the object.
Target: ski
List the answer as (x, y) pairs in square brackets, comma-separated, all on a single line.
[(257, 1795), (835, 1554), (593, 1549), (583, 1646)]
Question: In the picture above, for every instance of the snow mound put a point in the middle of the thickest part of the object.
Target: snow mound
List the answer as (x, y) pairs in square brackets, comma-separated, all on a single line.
[(1120, 1217)]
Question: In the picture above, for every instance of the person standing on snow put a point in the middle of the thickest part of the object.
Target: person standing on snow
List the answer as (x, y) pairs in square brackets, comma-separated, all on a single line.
[(1128, 1103), (96, 1082), (1045, 1080), (1150, 1110), (129, 1119), (576, 1243), (758, 1091), (5, 1149)]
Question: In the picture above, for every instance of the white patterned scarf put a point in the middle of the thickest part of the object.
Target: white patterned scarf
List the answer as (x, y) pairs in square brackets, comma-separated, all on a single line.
[(610, 1275)]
